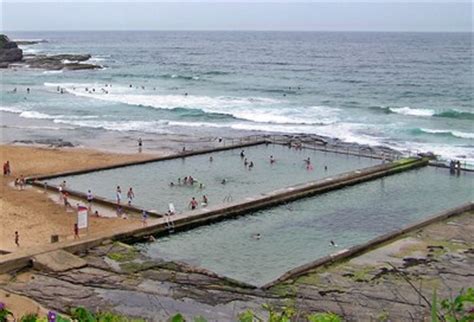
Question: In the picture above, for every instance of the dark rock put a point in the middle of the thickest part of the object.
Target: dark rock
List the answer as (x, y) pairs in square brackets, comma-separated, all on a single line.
[(58, 62), (9, 52)]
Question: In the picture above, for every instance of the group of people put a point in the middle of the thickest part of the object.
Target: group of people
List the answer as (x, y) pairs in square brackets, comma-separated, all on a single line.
[(247, 164), (130, 196), (193, 204), (455, 166), (14, 91)]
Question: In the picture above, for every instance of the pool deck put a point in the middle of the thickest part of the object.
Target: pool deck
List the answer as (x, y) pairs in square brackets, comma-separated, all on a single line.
[(190, 219)]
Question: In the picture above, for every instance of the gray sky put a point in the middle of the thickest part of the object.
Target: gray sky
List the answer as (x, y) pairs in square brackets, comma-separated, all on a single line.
[(351, 15)]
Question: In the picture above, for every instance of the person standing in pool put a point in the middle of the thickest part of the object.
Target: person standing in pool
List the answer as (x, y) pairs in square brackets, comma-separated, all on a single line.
[(272, 160), (193, 203), (130, 196), (204, 200), (242, 154), (251, 165)]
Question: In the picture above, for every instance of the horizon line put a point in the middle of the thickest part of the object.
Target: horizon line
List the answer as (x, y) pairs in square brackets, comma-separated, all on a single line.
[(234, 30)]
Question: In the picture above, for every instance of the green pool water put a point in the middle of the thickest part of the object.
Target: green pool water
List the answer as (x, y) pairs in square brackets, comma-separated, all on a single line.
[(300, 232), (151, 182)]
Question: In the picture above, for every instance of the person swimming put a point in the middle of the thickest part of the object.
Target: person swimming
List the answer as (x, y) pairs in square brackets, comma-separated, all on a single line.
[(257, 236), (224, 181), (242, 154), (246, 162), (251, 165), (333, 244), (211, 159), (272, 160)]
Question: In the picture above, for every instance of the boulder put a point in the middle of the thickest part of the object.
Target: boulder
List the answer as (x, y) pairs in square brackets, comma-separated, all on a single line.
[(9, 51)]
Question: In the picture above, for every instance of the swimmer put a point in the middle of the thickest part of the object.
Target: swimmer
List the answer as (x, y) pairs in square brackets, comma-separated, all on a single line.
[(204, 200), (256, 236), (242, 154), (307, 161), (193, 203), (333, 244), (211, 159), (201, 186), (251, 165), (224, 181), (325, 168), (179, 181), (246, 162), (272, 160), (171, 184)]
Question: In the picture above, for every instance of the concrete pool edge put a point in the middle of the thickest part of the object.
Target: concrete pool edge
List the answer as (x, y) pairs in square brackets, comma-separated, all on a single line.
[(374, 243), (192, 219)]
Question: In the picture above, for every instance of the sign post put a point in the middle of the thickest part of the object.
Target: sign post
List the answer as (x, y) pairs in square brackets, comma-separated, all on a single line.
[(82, 217)]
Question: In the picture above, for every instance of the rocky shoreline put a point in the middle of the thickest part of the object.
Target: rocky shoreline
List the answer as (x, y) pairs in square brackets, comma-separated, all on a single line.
[(12, 56)]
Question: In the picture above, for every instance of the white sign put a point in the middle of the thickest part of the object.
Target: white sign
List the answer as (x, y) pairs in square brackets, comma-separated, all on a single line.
[(82, 217)]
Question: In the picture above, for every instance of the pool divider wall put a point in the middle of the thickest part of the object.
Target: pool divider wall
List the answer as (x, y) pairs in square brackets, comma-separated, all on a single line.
[(374, 243), (188, 220)]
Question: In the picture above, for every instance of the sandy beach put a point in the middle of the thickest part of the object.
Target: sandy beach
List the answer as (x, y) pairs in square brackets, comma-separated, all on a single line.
[(35, 215)]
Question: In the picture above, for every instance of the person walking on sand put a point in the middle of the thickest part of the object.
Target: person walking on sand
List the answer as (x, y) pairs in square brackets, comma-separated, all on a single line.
[(193, 203), (17, 239), (130, 196), (76, 231), (118, 195)]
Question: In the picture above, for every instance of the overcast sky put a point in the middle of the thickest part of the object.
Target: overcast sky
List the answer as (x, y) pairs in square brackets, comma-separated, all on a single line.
[(400, 15)]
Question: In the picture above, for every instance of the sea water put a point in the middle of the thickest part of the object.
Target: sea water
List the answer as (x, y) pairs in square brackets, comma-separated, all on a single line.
[(408, 91)]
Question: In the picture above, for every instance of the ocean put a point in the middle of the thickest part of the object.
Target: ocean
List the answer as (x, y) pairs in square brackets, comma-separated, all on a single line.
[(412, 92)]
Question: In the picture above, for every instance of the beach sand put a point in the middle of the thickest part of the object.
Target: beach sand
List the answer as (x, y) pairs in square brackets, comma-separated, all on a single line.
[(34, 214)]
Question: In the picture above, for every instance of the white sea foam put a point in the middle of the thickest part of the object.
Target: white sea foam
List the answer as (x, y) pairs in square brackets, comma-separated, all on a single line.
[(10, 109), (52, 72), (412, 111), (459, 134), (35, 115), (255, 109)]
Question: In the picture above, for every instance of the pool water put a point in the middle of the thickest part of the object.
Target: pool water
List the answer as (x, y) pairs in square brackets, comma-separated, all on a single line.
[(151, 182), (300, 232)]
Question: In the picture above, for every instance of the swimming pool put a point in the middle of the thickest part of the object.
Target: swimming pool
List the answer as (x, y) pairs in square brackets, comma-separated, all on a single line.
[(151, 181), (299, 232)]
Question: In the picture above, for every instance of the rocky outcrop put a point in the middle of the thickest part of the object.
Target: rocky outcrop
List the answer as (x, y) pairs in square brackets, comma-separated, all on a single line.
[(9, 52), (11, 55), (58, 62)]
